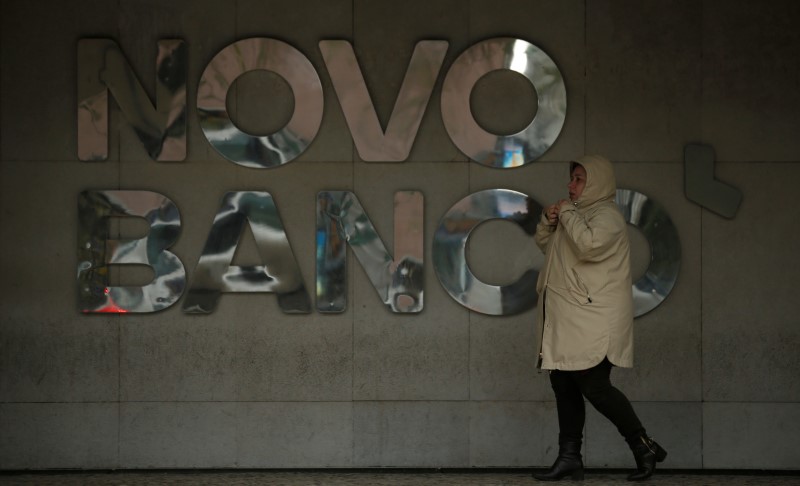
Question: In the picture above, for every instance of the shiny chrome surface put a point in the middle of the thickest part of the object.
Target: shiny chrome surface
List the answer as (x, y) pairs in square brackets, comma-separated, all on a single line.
[(342, 221), (450, 245), (372, 142), (273, 149), (665, 249), (279, 273), (498, 150), (97, 250), (103, 67)]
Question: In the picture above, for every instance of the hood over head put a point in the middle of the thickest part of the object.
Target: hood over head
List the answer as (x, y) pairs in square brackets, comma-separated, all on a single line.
[(601, 184)]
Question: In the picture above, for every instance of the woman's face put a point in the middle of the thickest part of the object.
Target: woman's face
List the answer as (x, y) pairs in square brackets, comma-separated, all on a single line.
[(577, 181)]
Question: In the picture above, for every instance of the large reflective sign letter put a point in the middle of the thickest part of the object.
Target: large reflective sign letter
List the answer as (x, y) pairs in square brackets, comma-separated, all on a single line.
[(341, 221), (96, 251), (279, 273), (450, 245), (103, 67), (649, 217), (372, 142), (496, 150), (243, 148)]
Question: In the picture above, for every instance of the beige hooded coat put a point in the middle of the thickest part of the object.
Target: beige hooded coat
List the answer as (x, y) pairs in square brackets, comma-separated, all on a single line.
[(585, 310)]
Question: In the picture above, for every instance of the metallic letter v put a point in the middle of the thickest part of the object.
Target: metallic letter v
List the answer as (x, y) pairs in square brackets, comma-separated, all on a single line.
[(372, 142)]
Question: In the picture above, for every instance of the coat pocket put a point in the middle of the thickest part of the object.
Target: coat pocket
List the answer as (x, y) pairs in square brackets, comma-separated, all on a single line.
[(579, 289)]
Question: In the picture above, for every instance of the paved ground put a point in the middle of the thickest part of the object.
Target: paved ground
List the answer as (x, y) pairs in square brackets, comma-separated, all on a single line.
[(379, 478)]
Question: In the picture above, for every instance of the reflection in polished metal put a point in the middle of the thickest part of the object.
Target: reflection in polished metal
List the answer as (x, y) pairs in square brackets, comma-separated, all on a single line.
[(162, 130), (270, 150), (341, 221), (96, 251), (665, 249), (372, 142), (279, 273), (498, 150), (450, 246)]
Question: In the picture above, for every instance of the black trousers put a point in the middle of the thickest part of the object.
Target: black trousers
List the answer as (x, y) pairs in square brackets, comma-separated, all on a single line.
[(595, 384)]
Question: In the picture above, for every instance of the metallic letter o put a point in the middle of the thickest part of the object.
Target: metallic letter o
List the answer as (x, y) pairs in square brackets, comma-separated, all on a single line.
[(519, 56), (242, 148), (665, 249)]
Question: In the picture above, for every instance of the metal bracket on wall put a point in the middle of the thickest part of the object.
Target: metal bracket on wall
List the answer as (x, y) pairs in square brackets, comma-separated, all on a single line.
[(701, 187)]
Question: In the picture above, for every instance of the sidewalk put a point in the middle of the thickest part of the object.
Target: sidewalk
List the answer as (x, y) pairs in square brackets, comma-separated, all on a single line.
[(382, 478)]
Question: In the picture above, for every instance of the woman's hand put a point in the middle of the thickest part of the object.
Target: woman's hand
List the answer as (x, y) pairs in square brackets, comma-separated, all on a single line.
[(551, 212)]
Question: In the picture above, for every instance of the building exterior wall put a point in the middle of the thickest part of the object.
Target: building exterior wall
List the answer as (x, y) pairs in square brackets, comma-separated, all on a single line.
[(716, 379)]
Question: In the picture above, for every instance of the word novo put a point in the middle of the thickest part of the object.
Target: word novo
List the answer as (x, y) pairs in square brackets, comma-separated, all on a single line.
[(162, 129)]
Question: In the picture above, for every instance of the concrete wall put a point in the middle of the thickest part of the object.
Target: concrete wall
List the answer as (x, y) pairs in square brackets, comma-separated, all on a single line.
[(716, 378)]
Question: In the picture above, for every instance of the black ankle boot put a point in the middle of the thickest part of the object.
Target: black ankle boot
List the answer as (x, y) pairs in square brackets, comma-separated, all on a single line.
[(647, 453), (568, 463)]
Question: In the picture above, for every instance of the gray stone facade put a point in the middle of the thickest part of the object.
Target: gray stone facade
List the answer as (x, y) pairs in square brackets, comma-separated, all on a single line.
[(717, 375)]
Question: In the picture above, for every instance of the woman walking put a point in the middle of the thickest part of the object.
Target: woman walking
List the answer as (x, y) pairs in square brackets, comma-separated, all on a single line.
[(585, 316)]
